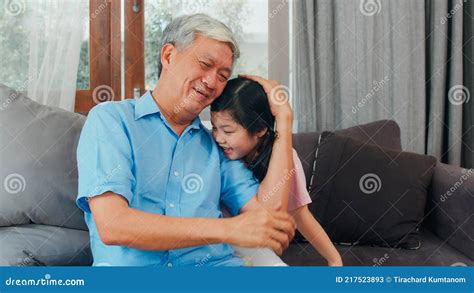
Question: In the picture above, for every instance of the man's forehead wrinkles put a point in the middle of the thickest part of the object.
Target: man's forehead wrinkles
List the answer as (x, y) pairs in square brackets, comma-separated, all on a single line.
[(202, 48)]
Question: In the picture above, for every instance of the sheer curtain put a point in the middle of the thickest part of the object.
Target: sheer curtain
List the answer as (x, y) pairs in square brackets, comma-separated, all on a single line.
[(55, 30), (40, 44)]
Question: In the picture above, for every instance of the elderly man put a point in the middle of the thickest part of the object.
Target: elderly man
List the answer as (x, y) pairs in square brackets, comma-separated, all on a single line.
[(151, 178)]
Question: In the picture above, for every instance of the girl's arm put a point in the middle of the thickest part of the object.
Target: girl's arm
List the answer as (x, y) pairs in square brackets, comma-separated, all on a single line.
[(315, 234), (275, 187)]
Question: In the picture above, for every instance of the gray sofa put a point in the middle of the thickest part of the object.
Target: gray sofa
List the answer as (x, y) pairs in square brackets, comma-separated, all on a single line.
[(447, 230), (41, 225)]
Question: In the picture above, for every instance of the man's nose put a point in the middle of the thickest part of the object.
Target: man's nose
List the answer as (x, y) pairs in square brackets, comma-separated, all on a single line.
[(210, 81)]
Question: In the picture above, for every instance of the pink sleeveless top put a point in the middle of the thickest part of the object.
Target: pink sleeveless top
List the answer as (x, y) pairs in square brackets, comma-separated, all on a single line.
[(299, 195)]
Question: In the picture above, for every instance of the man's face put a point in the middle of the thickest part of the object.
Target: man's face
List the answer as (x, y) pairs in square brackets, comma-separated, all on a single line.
[(199, 73)]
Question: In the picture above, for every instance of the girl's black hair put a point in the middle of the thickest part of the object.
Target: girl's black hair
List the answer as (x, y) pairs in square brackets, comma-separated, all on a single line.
[(246, 102)]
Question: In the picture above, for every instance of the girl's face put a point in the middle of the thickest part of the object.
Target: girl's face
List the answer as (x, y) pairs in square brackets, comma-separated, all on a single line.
[(232, 137)]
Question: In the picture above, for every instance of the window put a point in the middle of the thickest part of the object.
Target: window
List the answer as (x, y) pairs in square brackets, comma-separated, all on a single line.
[(247, 18), (83, 70), (121, 43), (15, 48)]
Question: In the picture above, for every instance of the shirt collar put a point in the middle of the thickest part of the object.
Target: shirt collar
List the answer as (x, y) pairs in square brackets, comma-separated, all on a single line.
[(146, 105)]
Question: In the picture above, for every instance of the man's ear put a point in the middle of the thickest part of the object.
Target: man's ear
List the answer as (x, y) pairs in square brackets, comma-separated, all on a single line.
[(262, 132), (167, 52)]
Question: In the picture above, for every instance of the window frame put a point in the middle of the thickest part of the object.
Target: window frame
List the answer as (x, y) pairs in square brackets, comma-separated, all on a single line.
[(104, 52)]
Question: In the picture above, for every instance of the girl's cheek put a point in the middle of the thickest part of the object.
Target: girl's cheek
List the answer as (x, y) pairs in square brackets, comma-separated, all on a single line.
[(229, 139)]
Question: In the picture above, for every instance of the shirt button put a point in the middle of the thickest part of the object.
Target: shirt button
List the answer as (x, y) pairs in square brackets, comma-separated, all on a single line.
[(170, 264), (176, 173), (171, 205), (191, 131)]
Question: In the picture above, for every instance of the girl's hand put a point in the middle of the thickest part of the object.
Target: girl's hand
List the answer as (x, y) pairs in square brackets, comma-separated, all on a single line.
[(278, 96), (337, 263)]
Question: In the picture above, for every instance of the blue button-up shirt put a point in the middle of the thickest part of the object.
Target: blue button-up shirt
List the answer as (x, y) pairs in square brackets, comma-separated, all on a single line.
[(129, 148)]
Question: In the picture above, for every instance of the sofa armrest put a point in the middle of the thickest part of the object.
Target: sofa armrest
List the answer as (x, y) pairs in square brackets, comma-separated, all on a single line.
[(450, 207)]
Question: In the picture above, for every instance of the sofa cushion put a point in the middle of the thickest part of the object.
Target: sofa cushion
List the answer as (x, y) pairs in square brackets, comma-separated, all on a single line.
[(434, 252), (369, 195), (38, 156), (36, 245), (382, 133)]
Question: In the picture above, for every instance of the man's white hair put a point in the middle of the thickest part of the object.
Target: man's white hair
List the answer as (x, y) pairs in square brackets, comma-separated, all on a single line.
[(182, 31)]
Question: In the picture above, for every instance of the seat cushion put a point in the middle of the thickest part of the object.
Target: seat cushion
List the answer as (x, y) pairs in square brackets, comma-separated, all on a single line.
[(38, 157), (433, 252), (36, 245)]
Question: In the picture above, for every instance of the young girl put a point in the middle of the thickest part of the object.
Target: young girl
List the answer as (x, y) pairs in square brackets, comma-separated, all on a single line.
[(243, 124)]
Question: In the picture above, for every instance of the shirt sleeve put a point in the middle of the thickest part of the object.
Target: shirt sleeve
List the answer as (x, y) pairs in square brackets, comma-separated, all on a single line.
[(299, 195), (238, 185), (104, 157)]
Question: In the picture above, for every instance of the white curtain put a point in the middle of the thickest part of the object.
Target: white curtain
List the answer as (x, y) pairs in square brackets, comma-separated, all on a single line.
[(55, 30)]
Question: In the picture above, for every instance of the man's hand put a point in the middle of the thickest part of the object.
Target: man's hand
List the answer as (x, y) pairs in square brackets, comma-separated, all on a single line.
[(262, 227)]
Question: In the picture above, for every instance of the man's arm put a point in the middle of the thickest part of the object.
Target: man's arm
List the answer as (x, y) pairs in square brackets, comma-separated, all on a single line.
[(118, 224)]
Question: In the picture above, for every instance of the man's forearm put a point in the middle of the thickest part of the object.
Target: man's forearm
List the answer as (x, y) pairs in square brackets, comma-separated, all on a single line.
[(165, 232), (119, 224)]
